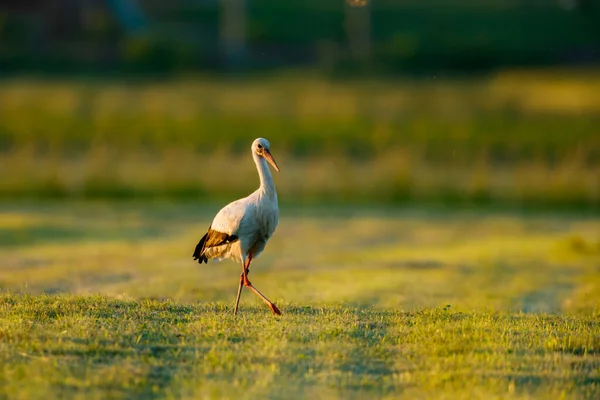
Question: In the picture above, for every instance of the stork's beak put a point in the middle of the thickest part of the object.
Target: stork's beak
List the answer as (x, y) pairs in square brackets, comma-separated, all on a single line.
[(270, 159)]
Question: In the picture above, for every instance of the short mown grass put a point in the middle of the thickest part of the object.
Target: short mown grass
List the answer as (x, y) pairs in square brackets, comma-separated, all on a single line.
[(102, 300), (98, 347)]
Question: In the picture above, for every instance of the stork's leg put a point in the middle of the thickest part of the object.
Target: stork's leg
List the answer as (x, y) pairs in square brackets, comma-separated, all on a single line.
[(271, 305), (247, 283), (237, 300), (243, 278)]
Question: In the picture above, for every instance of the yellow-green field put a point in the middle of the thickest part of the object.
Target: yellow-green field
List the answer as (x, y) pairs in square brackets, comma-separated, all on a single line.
[(102, 300), (520, 137)]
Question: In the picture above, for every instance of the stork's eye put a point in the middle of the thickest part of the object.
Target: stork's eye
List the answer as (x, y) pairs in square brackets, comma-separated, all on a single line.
[(260, 146)]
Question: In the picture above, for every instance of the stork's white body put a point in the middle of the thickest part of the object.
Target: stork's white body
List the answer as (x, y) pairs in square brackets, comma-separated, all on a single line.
[(252, 219), (241, 230)]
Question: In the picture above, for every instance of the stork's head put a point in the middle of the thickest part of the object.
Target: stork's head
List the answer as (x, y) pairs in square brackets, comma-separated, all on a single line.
[(262, 148)]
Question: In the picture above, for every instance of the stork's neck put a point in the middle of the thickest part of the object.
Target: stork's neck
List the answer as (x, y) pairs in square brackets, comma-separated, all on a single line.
[(267, 186)]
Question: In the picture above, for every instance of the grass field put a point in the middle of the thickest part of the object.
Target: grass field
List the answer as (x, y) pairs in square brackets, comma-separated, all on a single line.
[(517, 137), (102, 300)]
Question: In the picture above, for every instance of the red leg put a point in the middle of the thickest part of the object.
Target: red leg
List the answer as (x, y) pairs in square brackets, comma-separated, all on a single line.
[(240, 287), (271, 305), (244, 279), (246, 271)]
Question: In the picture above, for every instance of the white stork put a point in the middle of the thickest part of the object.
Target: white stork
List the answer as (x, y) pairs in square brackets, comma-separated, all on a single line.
[(241, 229)]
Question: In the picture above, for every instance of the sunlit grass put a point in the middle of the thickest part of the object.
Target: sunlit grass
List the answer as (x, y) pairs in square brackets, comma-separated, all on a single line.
[(103, 300), (516, 137)]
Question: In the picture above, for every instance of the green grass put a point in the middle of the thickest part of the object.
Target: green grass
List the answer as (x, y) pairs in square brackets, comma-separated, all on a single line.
[(103, 300), (515, 137), (95, 347)]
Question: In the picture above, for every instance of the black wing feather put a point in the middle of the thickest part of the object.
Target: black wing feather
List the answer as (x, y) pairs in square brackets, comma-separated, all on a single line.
[(200, 249), (212, 238)]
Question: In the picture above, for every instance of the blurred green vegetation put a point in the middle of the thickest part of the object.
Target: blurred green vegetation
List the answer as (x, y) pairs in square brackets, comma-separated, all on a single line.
[(513, 137), (413, 37)]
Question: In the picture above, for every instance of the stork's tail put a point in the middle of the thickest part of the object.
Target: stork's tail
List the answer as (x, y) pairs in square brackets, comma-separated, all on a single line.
[(199, 251), (211, 240)]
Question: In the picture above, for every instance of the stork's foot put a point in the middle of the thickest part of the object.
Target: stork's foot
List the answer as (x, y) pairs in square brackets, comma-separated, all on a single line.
[(274, 308)]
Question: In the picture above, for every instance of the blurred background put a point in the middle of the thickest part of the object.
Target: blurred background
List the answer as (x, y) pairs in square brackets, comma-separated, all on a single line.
[(434, 154), (437, 101)]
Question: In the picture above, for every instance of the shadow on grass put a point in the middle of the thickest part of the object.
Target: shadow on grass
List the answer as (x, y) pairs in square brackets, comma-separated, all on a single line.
[(363, 366), (140, 337), (154, 368)]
